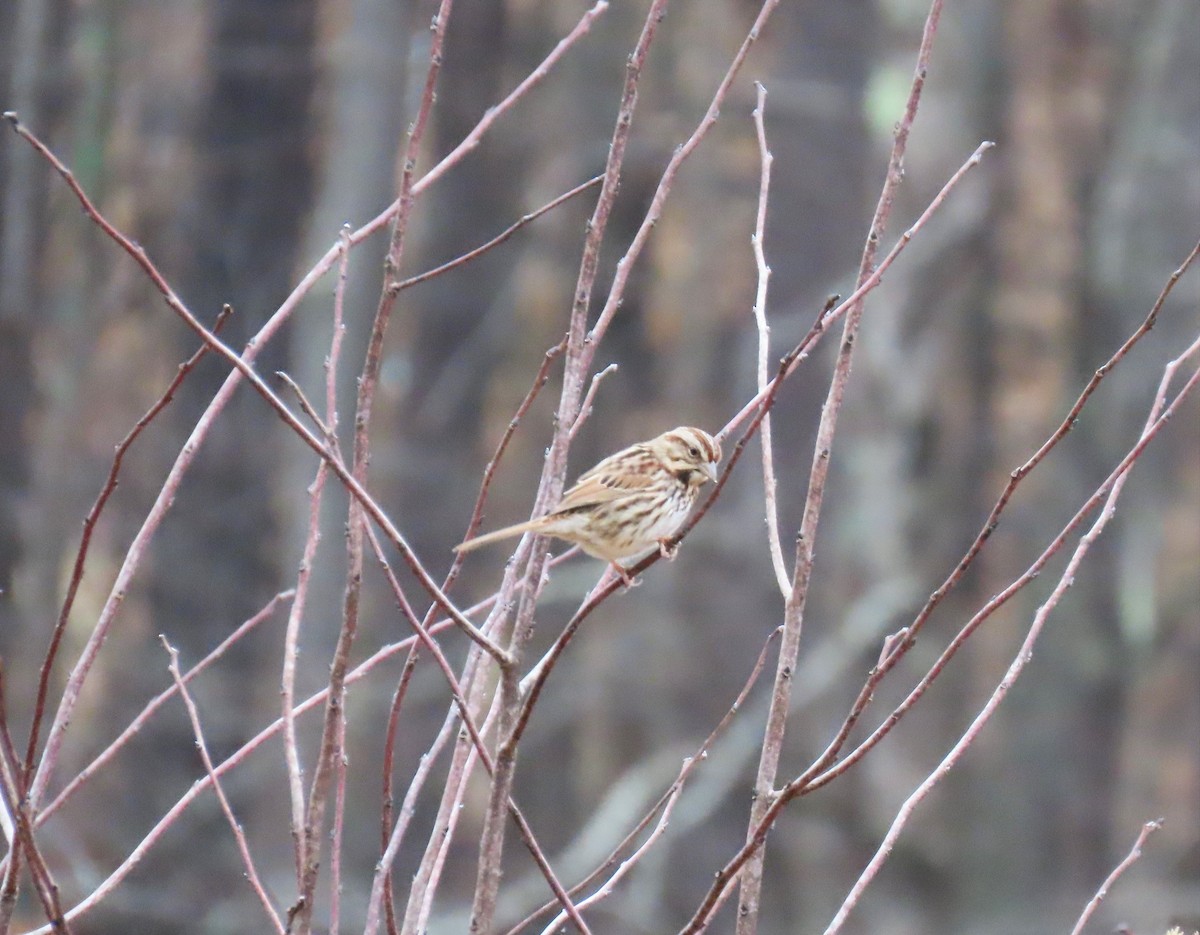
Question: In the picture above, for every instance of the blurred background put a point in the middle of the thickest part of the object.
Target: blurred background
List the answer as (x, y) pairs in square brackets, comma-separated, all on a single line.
[(233, 139)]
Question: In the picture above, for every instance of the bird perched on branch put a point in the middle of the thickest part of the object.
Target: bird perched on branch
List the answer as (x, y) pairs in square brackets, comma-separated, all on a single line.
[(630, 502)]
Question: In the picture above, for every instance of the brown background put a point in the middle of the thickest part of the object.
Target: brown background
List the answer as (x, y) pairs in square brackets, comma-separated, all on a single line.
[(232, 139)]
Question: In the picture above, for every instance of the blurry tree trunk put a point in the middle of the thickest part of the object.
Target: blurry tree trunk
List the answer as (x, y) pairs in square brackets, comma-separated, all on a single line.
[(820, 209), (30, 34), (364, 116), (1052, 124), (215, 560), (459, 337)]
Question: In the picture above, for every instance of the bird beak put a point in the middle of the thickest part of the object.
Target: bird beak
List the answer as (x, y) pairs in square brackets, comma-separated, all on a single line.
[(710, 471)]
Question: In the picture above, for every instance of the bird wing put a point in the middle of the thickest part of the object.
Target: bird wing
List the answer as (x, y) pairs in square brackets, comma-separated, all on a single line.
[(597, 487)]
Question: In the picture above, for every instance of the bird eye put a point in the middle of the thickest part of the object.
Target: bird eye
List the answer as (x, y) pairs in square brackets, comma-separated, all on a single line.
[(694, 451)]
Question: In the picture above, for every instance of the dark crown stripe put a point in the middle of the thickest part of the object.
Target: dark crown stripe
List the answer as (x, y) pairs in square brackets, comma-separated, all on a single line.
[(701, 440)]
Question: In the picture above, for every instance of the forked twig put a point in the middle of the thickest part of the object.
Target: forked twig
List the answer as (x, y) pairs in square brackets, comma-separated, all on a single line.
[(690, 764), (823, 769), (1107, 490)]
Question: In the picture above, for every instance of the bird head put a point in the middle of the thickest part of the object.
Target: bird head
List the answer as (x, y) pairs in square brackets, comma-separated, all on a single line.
[(691, 454)]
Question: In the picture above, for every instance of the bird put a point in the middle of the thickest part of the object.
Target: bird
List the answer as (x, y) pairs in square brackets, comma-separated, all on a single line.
[(630, 502)]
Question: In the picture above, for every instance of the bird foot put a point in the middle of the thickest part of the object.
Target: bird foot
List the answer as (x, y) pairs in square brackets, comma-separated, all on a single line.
[(623, 574), (668, 549)]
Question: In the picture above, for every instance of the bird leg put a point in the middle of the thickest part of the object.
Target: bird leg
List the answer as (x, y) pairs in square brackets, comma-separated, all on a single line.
[(623, 573), (668, 549)]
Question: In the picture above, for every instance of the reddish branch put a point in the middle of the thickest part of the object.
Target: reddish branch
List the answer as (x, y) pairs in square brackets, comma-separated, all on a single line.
[(15, 803), (578, 359), (89, 526), (227, 809), (794, 606), (800, 785), (690, 764), (137, 549), (820, 772), (497, 240), (389, 756), (300, 920)]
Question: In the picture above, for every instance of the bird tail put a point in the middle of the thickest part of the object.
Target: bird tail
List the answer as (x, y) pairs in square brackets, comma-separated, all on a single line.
[(507, 532)]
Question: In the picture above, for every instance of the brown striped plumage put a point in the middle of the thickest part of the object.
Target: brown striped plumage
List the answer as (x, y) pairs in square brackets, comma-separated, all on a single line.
[(631, 501)]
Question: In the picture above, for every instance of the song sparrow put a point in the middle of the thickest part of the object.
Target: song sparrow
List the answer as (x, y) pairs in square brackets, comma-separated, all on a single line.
[(630, 501)]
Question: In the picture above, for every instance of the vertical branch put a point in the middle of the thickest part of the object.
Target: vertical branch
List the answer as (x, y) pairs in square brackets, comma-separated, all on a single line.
[(577, 361), (339, 815), (487, 884), (389, 756), (625, 264), (764, 342), (764, 784), (1157, 420), (578, 355), (368, 380), (291, 640)]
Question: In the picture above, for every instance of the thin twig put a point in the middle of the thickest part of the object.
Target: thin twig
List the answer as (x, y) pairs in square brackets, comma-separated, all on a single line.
[(630, 862), (616, 292), (789, 650), (89, 526), (301, 916), (585, 408), (764, 342), (578, 359), (1111, 492), (489, 471), (13, 802), (389, 757), (800, 785), (243, 364), (291, 642), (202, 747), (690, 764), (821, 766), (118, 875), (1134, 853), (108, 753), (170, 486), (341, 766), (380, 885), (497, 240), (868, 285)]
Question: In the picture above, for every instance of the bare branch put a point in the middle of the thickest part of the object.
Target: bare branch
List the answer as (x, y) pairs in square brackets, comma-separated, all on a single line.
[(202, 747), (106, 756), (498, 239), (764, 343), (801, 785), (689, 765), (89, 526), (1110, 491), (1134, 853), (789, 650), (328, 428), (585, 409)]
